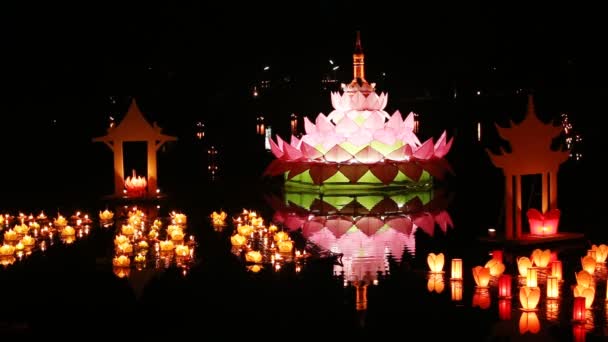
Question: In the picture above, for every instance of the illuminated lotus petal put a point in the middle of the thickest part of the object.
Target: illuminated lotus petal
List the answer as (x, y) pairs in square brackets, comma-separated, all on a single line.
[(295, 142), (395, 122), (369, 225), (330, 140), (319, 173), (441, 147), (409, 122), (368, 155), (323, 125), (426, 223), (402, 224), (309, 151), (399, 154), (336, 101), (291, 153), (357, 101), (385, 136), (276, 149), (361, 138), (353, 171), (444, 220), (386, 173), (337, 154), (372, 101), (346, 127), (309, 127), (297, 168), (382, 101), (374, 121), (411, 170), (425, 151)]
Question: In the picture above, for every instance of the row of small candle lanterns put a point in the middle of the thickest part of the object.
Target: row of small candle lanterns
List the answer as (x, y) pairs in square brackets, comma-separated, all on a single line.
[(30, 233), (141, 239), (260, 244), (542, 267), (593, 270)]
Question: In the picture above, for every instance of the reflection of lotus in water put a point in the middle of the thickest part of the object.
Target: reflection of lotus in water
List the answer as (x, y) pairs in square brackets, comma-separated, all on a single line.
[(121, 272), (365, 228), (7, 260)]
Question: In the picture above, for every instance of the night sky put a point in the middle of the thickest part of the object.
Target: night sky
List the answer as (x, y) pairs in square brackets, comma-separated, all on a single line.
[(67, 67)]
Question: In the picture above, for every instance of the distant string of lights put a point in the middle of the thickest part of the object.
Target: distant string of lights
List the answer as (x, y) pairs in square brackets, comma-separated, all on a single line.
[(572, 139)]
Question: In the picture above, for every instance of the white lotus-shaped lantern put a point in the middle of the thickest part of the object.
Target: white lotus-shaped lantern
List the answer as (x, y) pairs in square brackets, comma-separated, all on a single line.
[(135, 186), (106, 216), (60, 222), (7, 250), (10, 235), (21, 229)]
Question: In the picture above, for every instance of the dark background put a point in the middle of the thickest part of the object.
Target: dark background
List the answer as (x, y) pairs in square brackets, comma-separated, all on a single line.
[(68, 68)]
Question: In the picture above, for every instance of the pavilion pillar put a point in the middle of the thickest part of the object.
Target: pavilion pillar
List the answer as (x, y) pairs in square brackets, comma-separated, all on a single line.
[(509, 206), (152, 176), (518, 207), (119, 168), (553, 189), (545, 192)]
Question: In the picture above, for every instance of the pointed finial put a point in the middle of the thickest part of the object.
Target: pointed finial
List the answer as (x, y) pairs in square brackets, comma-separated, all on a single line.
[(358, 48), (531, 110)]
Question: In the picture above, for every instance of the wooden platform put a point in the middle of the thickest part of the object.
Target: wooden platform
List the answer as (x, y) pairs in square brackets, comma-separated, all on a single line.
[(562, 240)]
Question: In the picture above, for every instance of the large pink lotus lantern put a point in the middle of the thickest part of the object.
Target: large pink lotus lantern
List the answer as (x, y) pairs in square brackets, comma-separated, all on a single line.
[(135, 186), (359, 142)]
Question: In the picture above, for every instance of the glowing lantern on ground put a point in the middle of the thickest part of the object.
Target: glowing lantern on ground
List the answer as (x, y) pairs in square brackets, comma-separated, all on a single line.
[(28, 241), (584, 279), (528, 322), (552, 287), (435, 262), (543, 224), (60, 221), (135, 186), (578, 309), (166, 246), (529, 297), (177, 235), (10, 235), (7, 250), (586, 292), (541, 258), (481, 298), (532, 277), (435, 283), (504, 309), (496, 267), (456, 268), (456, 287), (127, 230), (556, 269), (504, 286), (523, 264), (481, 276), (588, 263)]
